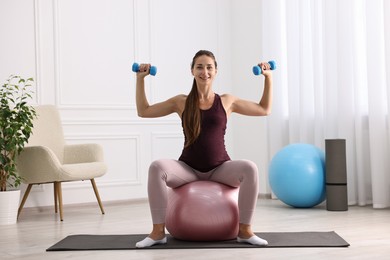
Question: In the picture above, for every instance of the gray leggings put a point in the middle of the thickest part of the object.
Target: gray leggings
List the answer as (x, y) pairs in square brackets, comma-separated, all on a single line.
[(174, 173)]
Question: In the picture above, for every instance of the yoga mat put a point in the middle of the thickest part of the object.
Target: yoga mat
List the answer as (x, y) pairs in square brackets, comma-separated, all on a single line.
[(126, 242), (336, 175)]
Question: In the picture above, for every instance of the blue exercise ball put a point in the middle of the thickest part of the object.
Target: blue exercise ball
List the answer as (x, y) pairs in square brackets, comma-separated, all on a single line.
[(297, 175)]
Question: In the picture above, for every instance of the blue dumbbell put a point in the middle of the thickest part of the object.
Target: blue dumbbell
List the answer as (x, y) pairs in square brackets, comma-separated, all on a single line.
[(153, 69), (257, 70)]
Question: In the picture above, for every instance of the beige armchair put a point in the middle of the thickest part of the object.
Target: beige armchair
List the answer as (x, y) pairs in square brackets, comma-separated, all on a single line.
[(48, 159)]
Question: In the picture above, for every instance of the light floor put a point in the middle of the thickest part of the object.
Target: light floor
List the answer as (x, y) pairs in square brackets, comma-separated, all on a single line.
[(367, 230)]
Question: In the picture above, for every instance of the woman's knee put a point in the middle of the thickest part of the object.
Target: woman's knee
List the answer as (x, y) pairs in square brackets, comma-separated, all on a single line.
[(156, 168), (249, 170)]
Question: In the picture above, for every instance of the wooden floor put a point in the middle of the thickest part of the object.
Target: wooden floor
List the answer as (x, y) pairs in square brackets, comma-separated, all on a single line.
[(367, 230)]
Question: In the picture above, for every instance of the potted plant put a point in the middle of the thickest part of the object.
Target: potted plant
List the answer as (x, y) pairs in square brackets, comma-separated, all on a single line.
[(16, 123)]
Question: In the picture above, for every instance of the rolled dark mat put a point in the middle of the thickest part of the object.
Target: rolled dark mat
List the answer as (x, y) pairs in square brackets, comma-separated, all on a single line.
[(336, 197), (336, 175)]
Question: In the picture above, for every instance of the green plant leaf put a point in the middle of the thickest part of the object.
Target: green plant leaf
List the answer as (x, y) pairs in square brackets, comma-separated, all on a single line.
[(16, 125)]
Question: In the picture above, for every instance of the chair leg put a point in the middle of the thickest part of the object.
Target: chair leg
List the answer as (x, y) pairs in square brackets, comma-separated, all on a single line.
[(97, 195), (27, 192), (55, 198), (59, 195)]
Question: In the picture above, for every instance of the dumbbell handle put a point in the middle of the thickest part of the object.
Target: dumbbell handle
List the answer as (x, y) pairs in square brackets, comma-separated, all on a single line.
[(153, 69), (257, 70)]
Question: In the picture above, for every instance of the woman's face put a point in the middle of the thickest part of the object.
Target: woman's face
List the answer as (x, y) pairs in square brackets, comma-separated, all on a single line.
[(204, 70)]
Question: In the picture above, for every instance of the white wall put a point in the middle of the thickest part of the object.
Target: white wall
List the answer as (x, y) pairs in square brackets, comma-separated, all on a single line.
[(250, 133), (80, 54)]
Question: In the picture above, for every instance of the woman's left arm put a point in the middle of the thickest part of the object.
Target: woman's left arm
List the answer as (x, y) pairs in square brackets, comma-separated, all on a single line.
[(250, 108)]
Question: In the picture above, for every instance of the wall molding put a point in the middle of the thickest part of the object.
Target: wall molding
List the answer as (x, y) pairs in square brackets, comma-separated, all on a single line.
[(130, 107), (74, 185), (110, 137), (57, 67), (80, 122), (155, 136), (166, 135), (38, 62)]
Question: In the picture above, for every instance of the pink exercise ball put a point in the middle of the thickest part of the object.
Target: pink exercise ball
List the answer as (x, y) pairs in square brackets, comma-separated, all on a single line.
[(203, 211)]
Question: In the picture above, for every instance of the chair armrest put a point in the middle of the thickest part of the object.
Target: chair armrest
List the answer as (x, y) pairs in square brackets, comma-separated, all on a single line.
[(83, 153), (37, 164)]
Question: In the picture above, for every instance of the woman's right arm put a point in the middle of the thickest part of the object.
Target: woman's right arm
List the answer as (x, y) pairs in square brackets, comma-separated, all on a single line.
[(144, 109)]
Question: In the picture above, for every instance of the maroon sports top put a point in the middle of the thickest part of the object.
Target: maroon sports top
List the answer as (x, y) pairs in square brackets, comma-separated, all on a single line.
[(208, 151)]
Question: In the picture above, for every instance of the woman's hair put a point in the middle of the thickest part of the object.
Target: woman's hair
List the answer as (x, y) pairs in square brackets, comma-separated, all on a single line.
[(191, 114)]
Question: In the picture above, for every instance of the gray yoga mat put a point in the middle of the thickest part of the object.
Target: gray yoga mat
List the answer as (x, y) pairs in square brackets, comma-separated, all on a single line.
[(127, 242)]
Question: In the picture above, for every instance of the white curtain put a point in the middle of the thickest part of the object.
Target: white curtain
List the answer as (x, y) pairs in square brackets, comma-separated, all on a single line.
[(333, 81)]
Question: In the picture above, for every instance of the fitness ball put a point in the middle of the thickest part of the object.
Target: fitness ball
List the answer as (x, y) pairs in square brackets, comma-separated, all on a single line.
[(203, 211), (297, 175)]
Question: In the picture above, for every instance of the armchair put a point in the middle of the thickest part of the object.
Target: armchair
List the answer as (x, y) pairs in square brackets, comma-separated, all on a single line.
[(48, 159)]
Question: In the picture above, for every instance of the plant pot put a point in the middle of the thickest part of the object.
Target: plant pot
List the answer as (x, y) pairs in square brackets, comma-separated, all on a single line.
[(9, 202)]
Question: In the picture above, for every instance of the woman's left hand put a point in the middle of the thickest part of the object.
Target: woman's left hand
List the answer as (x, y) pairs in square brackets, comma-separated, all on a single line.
[(265, 68)]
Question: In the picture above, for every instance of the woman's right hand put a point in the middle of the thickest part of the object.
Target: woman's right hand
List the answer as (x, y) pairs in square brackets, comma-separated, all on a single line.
[(144, 70)]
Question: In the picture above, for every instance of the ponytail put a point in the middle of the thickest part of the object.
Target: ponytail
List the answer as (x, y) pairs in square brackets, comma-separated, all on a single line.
[(191, 116)]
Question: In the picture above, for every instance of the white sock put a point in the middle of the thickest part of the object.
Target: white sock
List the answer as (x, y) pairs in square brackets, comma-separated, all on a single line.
[(147, 242), (254, 240)]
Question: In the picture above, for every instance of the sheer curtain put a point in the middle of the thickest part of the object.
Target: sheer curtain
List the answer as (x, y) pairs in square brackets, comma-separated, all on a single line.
[(333, 81)]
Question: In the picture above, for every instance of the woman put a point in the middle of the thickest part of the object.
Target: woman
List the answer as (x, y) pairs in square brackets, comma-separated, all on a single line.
[(204, 116)]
